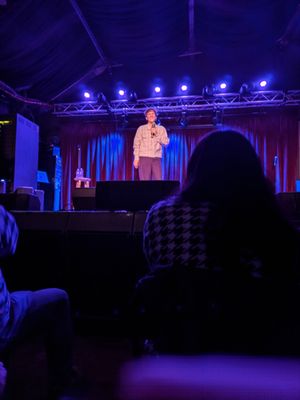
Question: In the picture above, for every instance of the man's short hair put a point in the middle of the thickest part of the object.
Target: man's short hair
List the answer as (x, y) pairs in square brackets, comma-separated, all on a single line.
[(150, 109)]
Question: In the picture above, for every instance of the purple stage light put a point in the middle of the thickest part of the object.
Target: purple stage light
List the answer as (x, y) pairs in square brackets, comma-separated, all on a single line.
[(263, 84), (121, 92), (184, 88), (157, 89), (87, 95)]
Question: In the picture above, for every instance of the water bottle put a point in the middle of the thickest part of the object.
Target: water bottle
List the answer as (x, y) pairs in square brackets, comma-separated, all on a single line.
[(2, 186)]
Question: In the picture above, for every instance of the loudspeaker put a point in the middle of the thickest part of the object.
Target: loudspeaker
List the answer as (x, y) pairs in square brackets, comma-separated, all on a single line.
[(132, 195), (19, 148), (20, 201), (84, 198)]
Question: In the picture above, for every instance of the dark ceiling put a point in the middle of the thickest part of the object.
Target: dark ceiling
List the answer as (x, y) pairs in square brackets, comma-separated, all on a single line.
[(52, 49)]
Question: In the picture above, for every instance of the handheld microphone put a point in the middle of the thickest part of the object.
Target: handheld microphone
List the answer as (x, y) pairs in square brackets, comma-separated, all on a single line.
[(153, 133)]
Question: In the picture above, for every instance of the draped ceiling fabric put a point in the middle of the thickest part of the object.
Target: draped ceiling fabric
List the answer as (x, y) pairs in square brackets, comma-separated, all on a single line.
[(107, 154), (46, 48)]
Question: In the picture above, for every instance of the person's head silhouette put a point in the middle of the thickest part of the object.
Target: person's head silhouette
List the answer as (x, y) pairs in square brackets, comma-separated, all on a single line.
[(224, 167)]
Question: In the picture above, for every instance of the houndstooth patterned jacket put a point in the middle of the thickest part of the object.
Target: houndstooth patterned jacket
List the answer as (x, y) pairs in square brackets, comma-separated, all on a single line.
[(178, 233), (175, 234)]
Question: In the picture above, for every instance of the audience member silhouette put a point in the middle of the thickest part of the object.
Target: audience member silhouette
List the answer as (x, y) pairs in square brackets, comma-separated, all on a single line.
[(220, 251), (25, 315), (3, 374)]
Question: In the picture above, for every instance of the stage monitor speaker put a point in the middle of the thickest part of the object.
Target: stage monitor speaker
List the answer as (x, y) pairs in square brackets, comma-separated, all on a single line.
[(132, 195), (84, 198), (20, 201)]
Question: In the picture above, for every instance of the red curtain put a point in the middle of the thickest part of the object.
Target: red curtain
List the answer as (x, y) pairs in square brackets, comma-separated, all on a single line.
[(106, 152)]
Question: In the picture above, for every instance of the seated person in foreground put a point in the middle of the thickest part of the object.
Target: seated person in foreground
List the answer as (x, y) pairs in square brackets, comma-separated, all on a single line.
[(25, 315), (221, 252)]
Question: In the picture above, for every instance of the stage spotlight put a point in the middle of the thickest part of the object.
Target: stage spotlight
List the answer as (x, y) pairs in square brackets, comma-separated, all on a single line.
[(101, 98), (183, 122), (263, 84), (87, 95), (157, 87), (245, 89), (184, 85), (121, 92), (223, 85), (133, 97), (217, 117), (124, 120), (184, 88), (208, 91)]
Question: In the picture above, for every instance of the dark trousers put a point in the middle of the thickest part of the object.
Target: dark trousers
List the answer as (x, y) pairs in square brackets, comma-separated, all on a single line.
[(48, 317), (150, 169)]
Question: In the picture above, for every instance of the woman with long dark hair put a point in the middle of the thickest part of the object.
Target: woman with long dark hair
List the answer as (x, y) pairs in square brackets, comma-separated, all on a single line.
[(225, 213), (226, 224)]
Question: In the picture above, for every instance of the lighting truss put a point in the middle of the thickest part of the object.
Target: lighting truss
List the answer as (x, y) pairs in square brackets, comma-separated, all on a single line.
[(177, 104)]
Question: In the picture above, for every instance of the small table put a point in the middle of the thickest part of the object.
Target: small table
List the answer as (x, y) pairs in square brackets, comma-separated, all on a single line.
[(81, 180)]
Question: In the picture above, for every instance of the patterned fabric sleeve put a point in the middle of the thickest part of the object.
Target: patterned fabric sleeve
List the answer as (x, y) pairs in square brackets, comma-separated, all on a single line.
[(174, 234), (8, 241), (8, 233), (137, 143), (163, 136)]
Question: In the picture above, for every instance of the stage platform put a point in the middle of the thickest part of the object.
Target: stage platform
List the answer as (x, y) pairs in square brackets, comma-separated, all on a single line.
[(85, 220)]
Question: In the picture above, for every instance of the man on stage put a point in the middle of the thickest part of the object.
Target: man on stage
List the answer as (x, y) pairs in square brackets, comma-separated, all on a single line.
[(147, 146)]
